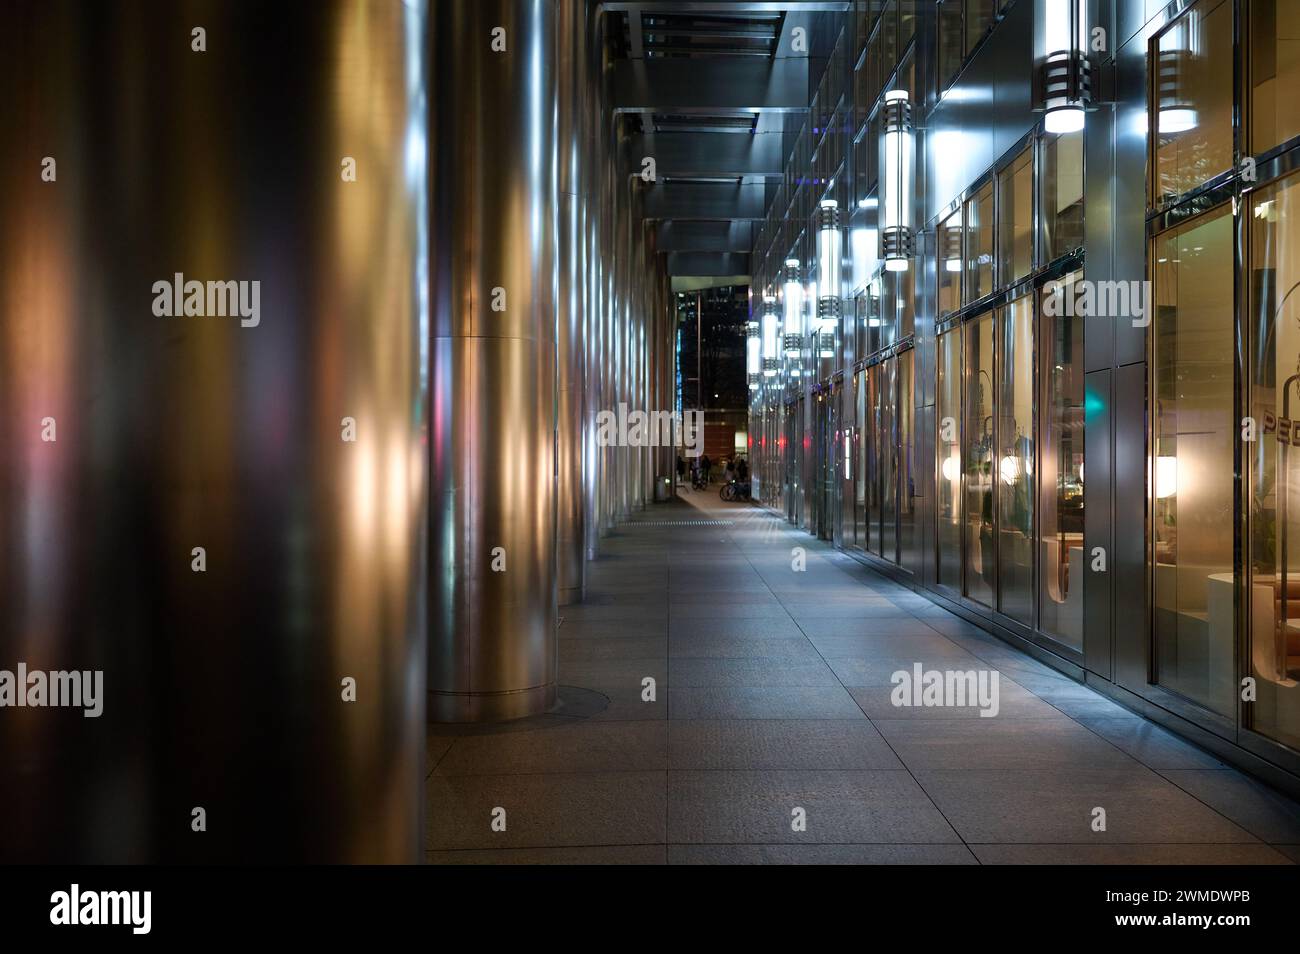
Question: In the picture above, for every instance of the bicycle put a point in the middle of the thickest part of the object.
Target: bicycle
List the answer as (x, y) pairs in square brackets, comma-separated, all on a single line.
[(734, 490)]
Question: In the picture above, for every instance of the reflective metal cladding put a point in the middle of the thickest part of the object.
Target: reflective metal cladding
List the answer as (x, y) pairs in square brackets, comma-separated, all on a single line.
[(492, 566), (225, 517)]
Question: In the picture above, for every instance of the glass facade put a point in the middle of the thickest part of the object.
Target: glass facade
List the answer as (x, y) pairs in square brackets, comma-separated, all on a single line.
[(1192, 435), (978, 425), (1060, 471), (1062, 202), (981, 371), (1193, 99), (1274, 73), (979, 245), (1016, 218), (1014, 475), (948, 459), (1273, 400)]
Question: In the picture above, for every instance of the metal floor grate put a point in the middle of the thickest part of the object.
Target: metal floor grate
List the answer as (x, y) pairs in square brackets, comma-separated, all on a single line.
[(680, 523)]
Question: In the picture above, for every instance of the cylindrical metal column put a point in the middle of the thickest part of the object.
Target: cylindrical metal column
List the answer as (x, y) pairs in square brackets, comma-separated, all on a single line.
[(572, 89), (589, 183), (609, 318), (212, 474), (492, 572)]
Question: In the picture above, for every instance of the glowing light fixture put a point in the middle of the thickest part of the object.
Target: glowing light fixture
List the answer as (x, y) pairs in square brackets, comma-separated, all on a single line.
[(770, 335), (830, 260), (897, 243), (1064, 77), (792, 295), (753, 354)]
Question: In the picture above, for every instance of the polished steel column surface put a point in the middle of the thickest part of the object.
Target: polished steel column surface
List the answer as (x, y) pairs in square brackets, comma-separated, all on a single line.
[(492, 559), (589, 185), (570, 140), (213, 494)]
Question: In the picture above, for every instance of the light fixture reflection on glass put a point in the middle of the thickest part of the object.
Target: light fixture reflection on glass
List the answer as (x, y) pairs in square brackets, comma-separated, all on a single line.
[(1064, 76), (1166, 477), (950, 240), (897, 243), (1176, 119), (1174, 60), (1009, 468), (951, 468)]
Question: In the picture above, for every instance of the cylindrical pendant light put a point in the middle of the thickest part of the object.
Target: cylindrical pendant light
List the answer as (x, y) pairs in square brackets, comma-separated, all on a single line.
[(793, 304), (830, 253), (1064, 78), (897, 243), (771, 344)]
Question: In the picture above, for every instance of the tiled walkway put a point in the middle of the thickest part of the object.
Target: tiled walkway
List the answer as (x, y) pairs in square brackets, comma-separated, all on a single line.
[(772, 693)]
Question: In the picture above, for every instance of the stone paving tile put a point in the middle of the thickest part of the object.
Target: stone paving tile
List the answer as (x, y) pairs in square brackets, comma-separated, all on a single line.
[(789, 744), (840, 807), (773, 692), (1056, 806), (820, 855)]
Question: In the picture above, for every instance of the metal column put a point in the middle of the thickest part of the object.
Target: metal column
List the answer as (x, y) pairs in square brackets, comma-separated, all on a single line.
[(225, 513), (492, 572), (572, 89)]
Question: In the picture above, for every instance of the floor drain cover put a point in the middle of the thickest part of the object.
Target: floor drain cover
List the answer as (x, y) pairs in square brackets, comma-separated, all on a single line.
[(682, 523)]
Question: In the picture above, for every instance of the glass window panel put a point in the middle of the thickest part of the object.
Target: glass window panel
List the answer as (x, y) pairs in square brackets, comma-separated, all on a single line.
[(1062, 194), (872, 441), (1274, 562), (906, 23), (860, 470), (948, 453), (1274, 72), (875, 63), (1060, 468), (909, 543), (888, 450), (875, 319), (979, 17), (1193, 76), (889, 42), (1016, 218), (1192, 460), (1014, 475), (979, 244), (860, 324), (950, 42), (905, 296), (948, 238), (978, 432)]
